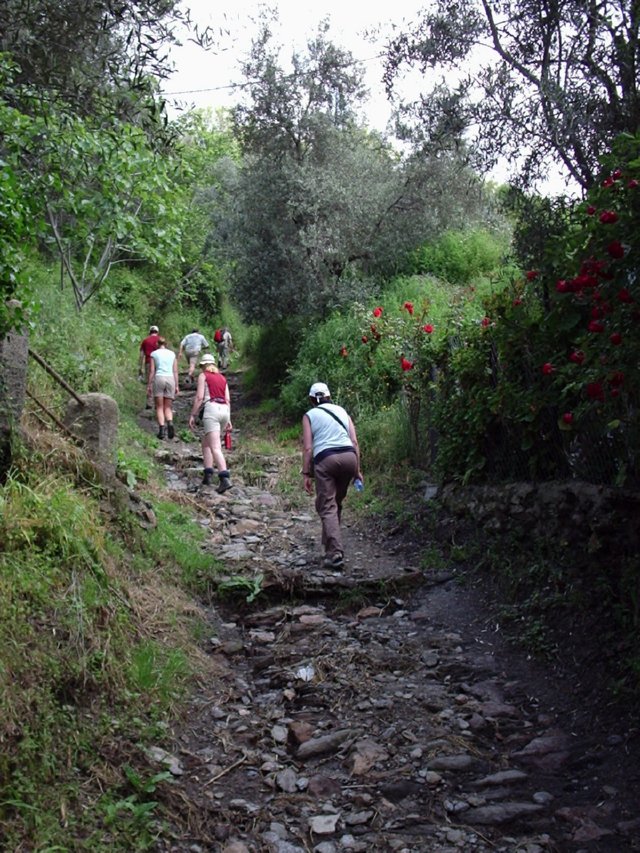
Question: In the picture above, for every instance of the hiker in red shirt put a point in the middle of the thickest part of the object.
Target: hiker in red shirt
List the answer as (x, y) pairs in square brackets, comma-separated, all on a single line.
[(148, 345)]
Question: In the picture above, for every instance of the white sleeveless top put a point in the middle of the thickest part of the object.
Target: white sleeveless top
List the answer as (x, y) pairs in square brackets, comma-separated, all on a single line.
[(327, 432)]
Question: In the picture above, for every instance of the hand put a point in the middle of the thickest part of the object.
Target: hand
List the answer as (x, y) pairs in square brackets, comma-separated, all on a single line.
[(308, 484)]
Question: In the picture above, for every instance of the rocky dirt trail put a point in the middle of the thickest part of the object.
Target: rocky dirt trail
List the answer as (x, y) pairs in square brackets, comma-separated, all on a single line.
[(376, 709)]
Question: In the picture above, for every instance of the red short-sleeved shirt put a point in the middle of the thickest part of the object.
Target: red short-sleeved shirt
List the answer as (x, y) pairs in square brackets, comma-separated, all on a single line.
[(148, 345)]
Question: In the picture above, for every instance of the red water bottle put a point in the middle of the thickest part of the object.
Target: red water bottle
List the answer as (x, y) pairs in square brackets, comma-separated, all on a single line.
[(227, 440)]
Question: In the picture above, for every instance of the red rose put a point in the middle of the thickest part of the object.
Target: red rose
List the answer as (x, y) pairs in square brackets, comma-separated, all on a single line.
[(624, 295), (485, 322), (616, 249), (517, 302), (608, 217), (409, 307), (632, 184), (406, 364), (615, 392), (532, 274), (576, 356), (591, 210), (616, 174), (595, 326), (428, 328), (547, 368), (562, 286), (608, 182), (343, 351), (595, 391), (365, 339), (616, 339), (377, 312), (567, 418)]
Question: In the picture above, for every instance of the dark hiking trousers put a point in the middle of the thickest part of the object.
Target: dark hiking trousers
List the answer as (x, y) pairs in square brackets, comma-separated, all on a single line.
[(333, 474)]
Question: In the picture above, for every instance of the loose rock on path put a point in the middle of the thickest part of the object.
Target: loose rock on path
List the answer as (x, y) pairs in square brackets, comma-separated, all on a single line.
[(368, 709)]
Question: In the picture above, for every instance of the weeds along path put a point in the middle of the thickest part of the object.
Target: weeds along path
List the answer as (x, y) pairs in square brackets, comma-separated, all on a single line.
[(369, 710)]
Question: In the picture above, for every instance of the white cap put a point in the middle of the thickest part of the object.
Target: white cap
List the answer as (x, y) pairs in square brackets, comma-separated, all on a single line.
[(153, 329), (207, 358), (319, 389)]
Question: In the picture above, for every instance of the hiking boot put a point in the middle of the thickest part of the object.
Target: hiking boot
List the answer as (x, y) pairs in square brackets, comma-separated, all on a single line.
[(225, 485), (170, 430), (161, 432), (208, 478), (334, 562)]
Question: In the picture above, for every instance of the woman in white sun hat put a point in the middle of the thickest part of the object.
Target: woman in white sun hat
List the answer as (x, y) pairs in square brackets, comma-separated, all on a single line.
[(331, 456), (213, 391)]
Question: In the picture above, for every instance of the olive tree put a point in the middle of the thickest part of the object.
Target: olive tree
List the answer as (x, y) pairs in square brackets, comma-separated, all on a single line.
[(319, 202), (544, 85)]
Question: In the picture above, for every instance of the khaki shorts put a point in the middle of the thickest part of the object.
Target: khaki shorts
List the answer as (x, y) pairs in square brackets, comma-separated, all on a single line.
[(164, 386), (216, 417)]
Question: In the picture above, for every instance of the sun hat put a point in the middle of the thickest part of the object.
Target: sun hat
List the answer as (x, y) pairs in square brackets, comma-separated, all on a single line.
[(207, 358), (153, 329), (319, 389)]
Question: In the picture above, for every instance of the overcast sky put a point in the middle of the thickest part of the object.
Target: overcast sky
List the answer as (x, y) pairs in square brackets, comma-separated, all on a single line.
[(206, 78)]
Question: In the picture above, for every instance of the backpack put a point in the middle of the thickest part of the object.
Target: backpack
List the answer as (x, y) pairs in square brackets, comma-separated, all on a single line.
[(217, 336)]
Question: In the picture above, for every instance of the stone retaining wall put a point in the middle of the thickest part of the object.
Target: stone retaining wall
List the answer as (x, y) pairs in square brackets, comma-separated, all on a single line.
[(595, 518), (14, 355)]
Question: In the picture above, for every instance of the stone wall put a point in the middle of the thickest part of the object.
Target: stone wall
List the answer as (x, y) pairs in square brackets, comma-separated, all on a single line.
[(95, 421), (594, 518), (14, 356)]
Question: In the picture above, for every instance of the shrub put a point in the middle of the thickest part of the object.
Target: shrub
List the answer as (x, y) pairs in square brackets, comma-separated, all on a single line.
[(460, 257)]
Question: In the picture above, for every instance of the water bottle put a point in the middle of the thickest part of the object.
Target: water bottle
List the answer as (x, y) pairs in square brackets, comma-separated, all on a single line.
[(358, 485), (227, 440)]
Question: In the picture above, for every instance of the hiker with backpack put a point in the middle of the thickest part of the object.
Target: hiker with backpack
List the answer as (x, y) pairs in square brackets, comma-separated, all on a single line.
[(212, 394), (224, 342), (331, 457), (192, 345)]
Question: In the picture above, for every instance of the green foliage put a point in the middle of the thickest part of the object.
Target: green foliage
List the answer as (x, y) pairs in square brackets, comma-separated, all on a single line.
[(249, 588), (18, 225), (460, 256), (154, 669), (175, 542), (273, 349), (360, 352)]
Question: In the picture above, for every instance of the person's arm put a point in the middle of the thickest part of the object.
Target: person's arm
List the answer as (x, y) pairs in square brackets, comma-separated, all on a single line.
[(175, 373), (142, 360), (197, 400), (354, 439), (227, 398), (307, 454), (152, 372)]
